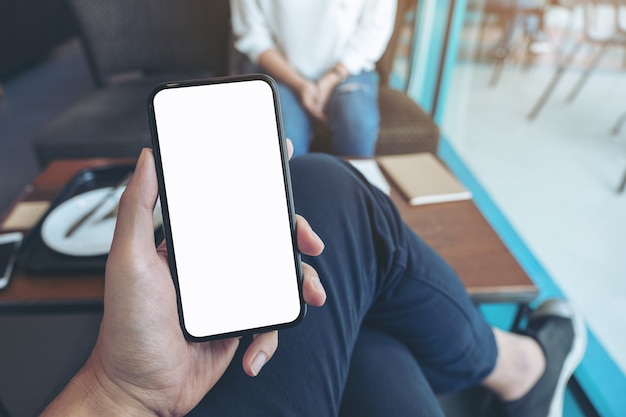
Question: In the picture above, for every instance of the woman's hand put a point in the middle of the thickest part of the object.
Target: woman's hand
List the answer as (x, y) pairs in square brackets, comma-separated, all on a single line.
[(141, 364), (326, 86), (328, 82), (309, 94)]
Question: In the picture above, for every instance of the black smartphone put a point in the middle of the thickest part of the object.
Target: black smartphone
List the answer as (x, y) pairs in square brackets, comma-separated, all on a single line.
[(228, 213)]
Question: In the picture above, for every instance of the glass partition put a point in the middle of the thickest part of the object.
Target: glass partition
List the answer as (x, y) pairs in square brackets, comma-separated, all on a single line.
[(529, 101)]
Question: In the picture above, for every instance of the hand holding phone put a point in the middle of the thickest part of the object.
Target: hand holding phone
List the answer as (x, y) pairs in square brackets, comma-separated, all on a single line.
[(224, 182)]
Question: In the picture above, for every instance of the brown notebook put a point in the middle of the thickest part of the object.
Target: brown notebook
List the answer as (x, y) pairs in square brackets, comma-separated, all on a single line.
[(423, 179)]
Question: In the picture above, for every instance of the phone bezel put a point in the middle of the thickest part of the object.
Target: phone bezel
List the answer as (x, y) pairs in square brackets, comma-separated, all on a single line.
[(165, 206)]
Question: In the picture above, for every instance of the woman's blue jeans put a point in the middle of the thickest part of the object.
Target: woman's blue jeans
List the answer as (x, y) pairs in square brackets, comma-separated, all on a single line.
[(378, 275), (352, 112)]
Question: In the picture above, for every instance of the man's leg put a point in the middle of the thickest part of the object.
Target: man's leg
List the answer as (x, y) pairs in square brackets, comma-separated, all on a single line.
[(386, 380), (372, 263), (353, 115), (420, 302), (533, 368)]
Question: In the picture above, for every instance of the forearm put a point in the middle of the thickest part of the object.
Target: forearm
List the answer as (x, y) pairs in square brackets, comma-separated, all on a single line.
[(277, 66), (336, 74)]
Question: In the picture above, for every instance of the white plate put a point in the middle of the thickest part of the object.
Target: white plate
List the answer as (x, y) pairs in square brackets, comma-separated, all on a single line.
[(94, 237)]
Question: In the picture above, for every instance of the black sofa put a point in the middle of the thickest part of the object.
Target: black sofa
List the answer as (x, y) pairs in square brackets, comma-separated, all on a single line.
[(29, 30), (163, 40)]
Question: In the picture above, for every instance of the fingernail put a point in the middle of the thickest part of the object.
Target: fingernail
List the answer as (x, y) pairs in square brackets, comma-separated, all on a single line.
[(141, 159), (318, 238), (258, 363), (318, 286)]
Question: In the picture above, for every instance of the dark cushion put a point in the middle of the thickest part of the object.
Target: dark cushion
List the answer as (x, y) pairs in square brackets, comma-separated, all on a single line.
[(112, 122), (153, 36), (29, 30), (404, 126)]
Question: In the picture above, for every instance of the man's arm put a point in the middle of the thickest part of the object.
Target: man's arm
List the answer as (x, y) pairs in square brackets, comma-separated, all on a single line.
[(141, 364)]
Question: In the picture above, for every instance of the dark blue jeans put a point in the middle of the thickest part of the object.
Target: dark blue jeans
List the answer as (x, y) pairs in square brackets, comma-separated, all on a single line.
[(378, 275)]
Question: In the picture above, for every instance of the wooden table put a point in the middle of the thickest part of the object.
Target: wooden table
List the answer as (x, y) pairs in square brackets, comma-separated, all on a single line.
[(463, 237), (456, 230), (28, 292)]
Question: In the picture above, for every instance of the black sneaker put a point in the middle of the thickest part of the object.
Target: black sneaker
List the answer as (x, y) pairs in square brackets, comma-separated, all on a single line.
[(561, 333)]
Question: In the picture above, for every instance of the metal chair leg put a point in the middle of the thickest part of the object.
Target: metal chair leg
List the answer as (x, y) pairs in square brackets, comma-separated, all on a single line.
[(497, 71), (622, 185), (585, 76), (618, 124), (523, 310), (481, 38), (553, 83)]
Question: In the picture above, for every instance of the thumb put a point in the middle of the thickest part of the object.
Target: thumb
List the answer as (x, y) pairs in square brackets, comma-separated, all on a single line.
[(134, 231)]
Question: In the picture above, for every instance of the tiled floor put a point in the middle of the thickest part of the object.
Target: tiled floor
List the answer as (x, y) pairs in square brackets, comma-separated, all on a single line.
[(554, 178)]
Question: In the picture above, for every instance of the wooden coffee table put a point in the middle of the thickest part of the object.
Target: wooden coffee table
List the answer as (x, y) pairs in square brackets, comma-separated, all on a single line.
[(456, 230)]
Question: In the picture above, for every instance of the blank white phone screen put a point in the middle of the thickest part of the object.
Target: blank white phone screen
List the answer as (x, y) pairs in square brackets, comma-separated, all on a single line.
[(228, 211)]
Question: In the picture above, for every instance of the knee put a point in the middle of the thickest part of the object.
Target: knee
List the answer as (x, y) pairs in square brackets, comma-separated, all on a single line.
[(354, 119), (316, 167), (322, 174), (356, 137)]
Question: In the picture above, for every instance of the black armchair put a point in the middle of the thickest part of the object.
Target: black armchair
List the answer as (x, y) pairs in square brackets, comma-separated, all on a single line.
[(132, 45)]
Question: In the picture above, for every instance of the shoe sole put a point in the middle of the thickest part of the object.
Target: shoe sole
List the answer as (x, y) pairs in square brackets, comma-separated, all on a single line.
[(573, 358)]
